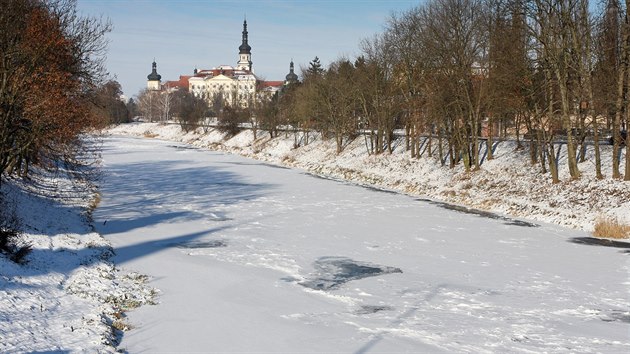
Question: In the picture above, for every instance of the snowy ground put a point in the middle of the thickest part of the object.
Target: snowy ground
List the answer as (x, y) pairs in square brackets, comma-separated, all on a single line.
[(507, 185), (68, 297), (250, 257)]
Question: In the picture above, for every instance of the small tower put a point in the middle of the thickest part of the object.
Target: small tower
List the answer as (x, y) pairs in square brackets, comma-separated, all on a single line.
[(154, 78), (244, 52), (291, 77)]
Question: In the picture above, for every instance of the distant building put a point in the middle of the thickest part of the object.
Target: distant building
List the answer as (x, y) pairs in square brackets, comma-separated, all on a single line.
[(291, 77), (236, 86), (154, 78), (181, 84)]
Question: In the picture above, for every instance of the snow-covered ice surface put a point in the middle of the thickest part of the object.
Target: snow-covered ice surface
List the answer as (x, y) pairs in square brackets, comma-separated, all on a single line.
[(507, 185), (253, 258), (68, 297)]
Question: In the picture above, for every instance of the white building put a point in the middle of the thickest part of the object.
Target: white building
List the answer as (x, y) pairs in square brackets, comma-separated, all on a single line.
[(236, 86)]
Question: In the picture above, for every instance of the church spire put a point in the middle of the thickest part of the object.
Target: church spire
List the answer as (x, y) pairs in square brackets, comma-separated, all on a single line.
[(245, 48), (154, 78), (291, 76), (154, 75), (244, 52)]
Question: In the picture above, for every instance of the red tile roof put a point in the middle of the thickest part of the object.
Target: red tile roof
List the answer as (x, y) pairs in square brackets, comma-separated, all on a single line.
[(271, 83), (181, 83)]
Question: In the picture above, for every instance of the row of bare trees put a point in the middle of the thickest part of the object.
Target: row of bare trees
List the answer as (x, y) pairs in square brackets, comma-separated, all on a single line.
[(232, 110), (456, 74)]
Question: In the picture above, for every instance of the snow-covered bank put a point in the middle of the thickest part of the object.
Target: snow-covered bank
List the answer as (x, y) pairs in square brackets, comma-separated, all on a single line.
[(68, 297), (508, 184)]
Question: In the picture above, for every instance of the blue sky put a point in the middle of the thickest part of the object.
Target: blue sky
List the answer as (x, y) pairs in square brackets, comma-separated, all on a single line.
[(182, 35)]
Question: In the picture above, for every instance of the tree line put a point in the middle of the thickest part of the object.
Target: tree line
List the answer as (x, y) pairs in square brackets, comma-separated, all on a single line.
[(457, 74), (230, 109), (53, 89)]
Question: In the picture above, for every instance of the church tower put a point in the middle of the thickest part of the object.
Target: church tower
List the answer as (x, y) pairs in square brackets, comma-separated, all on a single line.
[(291, 77), (154, 78), (244, 52)]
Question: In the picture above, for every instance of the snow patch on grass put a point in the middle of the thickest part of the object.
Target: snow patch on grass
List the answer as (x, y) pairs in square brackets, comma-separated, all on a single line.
[(68, 296)]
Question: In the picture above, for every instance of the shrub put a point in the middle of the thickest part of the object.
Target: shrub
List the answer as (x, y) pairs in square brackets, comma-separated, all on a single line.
[(230, 120), (7, 237), (611, 228), (10, 243), (20, 251)]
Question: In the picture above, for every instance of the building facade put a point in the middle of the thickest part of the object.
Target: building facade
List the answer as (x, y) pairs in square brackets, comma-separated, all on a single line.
[(236, 86)]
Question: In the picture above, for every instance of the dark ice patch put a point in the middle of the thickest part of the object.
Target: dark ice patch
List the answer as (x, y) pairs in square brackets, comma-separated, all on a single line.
[(201, 244), (257, 164), (620, 316), (332, 272), (366, 186), (481, 213), (593, 241), (377, 189), (183, 147), (314, 175), (276, 166), (369, 309)]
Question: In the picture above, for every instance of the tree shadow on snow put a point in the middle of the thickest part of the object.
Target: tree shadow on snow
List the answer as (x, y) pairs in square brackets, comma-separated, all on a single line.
[(141, 249), (150, 193), (138, 195)]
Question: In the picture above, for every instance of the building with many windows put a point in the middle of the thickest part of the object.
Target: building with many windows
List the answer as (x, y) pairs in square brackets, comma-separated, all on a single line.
[(236, 86)]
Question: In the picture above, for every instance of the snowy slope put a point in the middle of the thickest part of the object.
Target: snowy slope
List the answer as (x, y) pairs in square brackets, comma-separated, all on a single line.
[(68, 297), (250, 257), (508, 184)]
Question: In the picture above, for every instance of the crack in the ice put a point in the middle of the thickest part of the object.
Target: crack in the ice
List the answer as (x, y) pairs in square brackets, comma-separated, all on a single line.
[(201, 244)]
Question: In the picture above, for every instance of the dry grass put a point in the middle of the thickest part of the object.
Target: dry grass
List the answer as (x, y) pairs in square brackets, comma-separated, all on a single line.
[(488, 204), (92, 205), (611, 228), (449, 193), (148, 134), (121, 325), (94, 202)]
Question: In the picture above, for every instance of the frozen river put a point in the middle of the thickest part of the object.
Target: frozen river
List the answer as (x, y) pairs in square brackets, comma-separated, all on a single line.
[(251, 257)]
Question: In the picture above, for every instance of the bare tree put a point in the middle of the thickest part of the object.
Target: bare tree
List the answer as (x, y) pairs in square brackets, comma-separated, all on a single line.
[(51, 61), (149, 104), (455, 37)]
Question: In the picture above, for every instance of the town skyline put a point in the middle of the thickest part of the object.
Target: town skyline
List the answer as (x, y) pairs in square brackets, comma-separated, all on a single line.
[(184, 35)]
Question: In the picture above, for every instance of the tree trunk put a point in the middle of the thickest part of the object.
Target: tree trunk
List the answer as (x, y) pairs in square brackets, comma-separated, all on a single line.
[(440, 147), (621, 83), (553, 165), (489, 142), (598, 156), (566, 121), (542, 150)]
